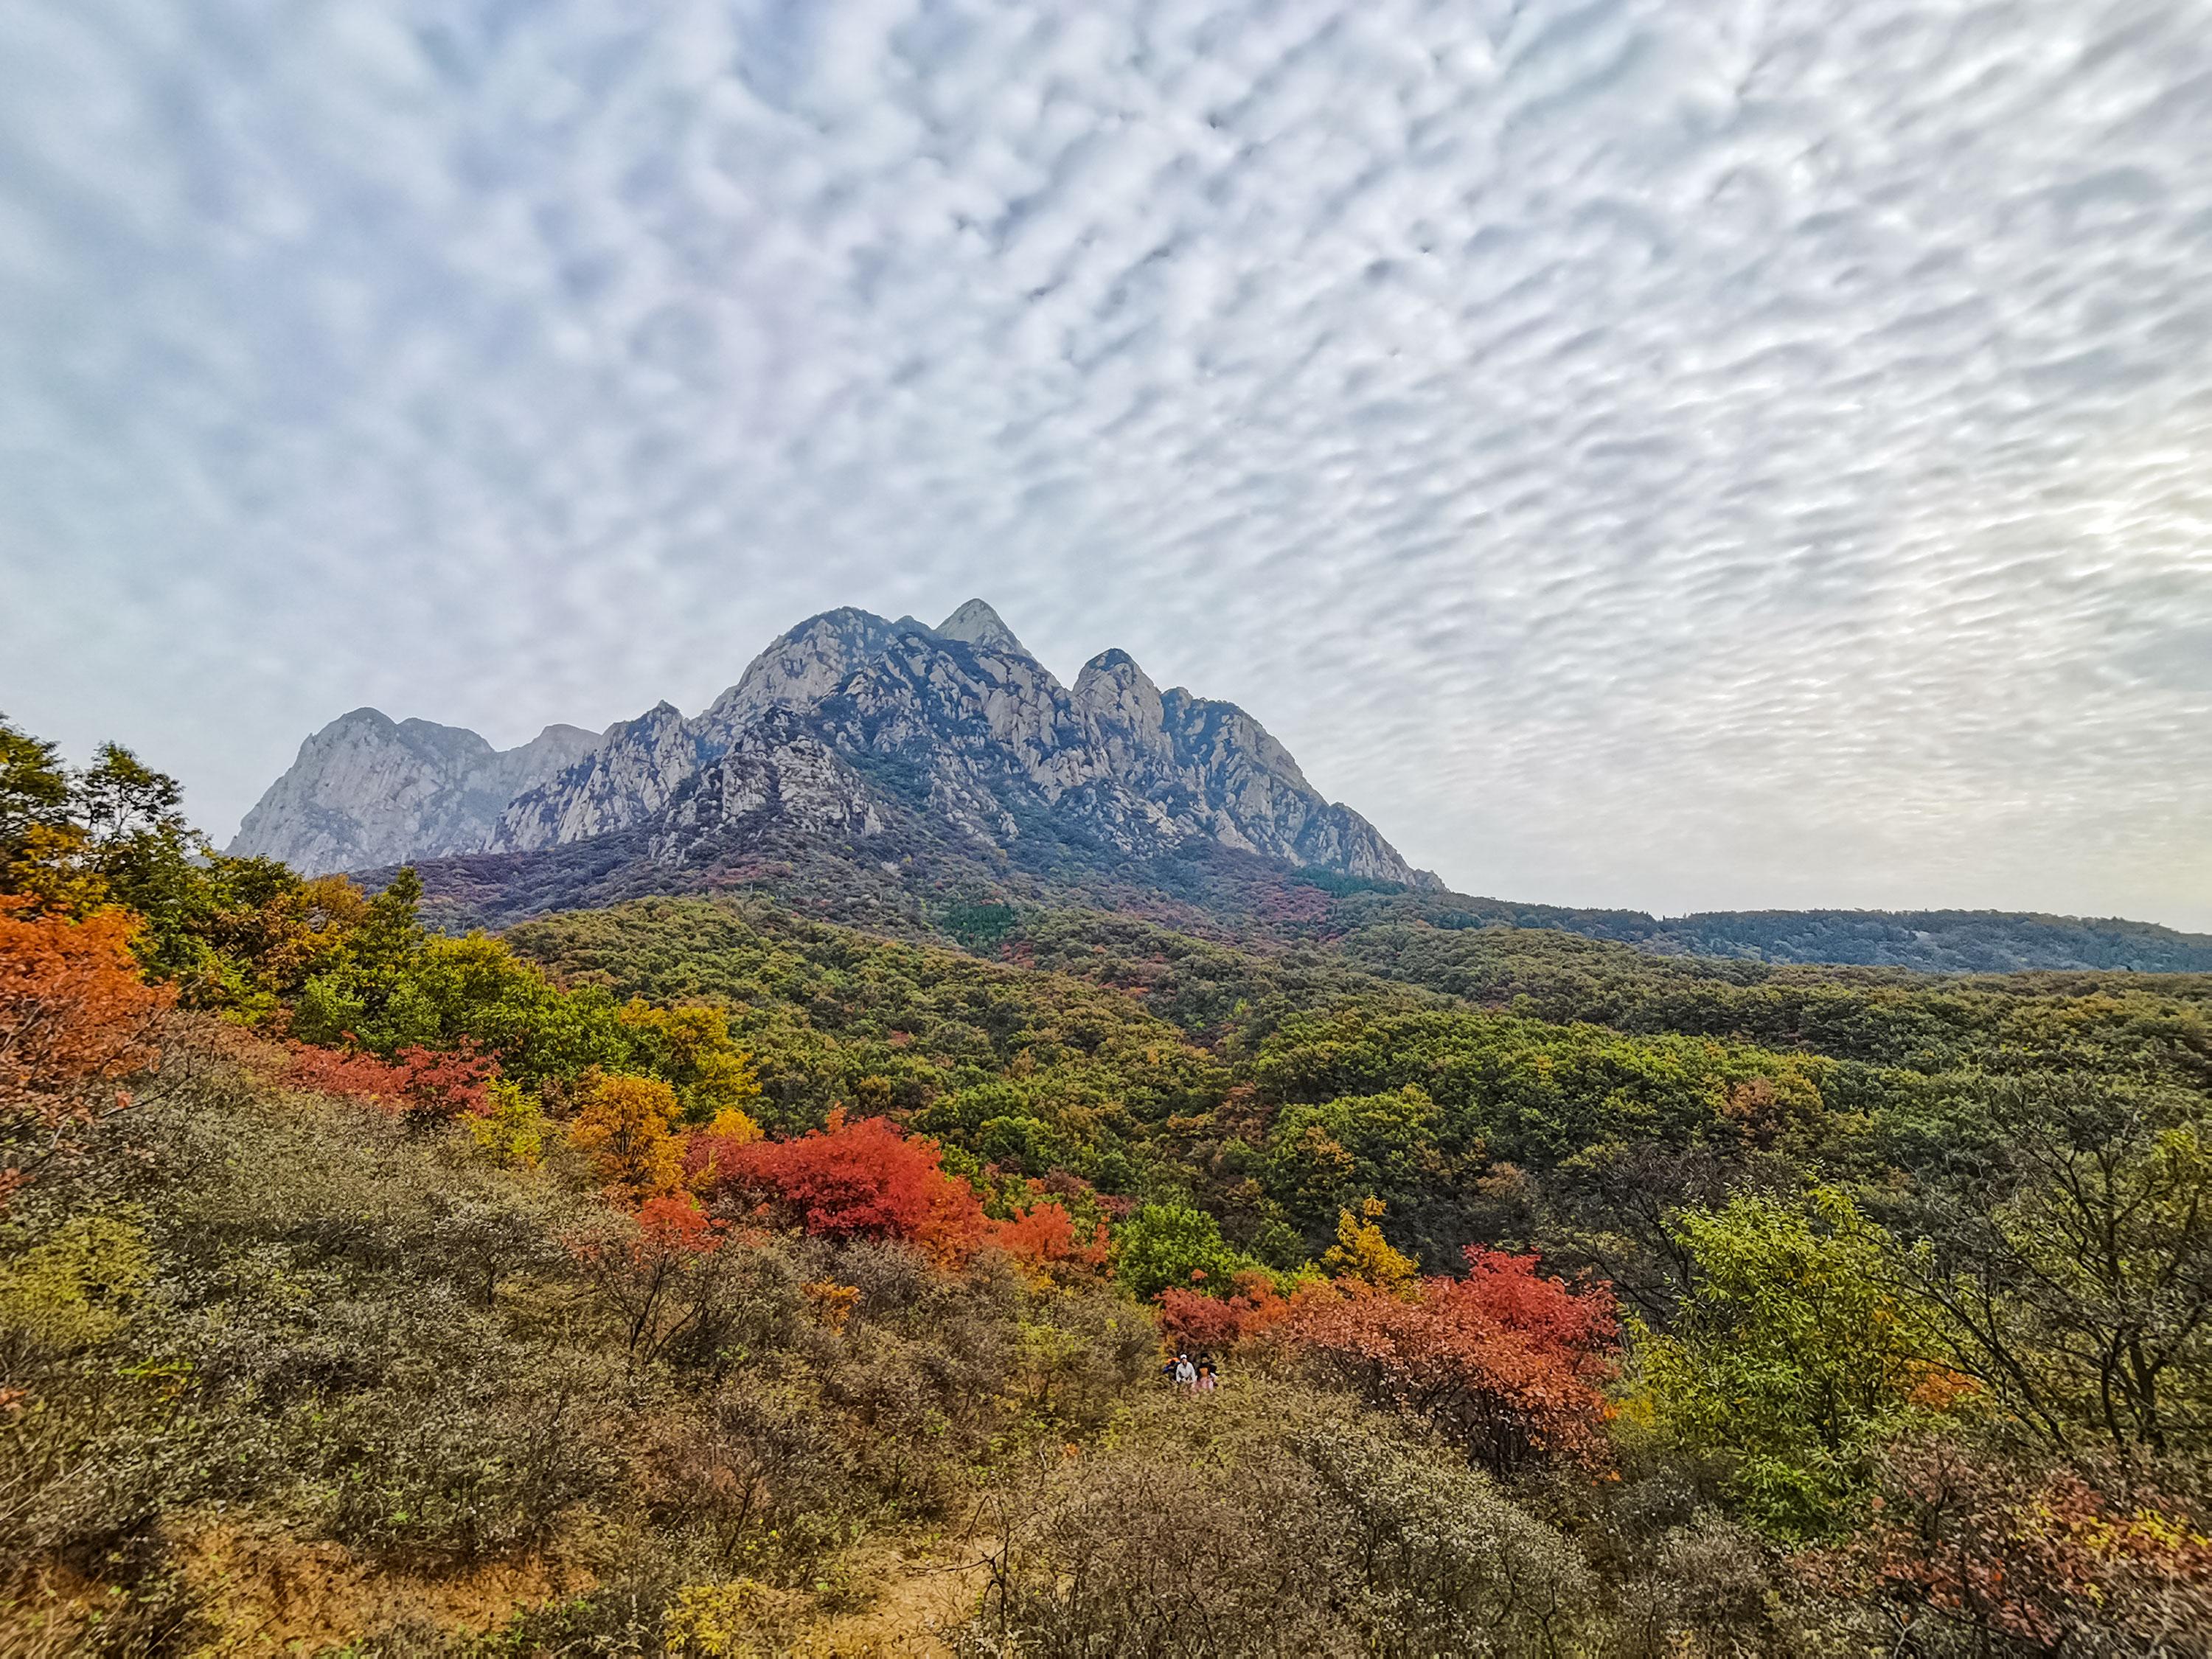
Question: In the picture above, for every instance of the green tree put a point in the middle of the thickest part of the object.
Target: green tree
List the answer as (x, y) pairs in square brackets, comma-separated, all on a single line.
[(1790, 1357), (1175, 1245), (1324, 1158), (375, 995), (42, 846), (139, 845)]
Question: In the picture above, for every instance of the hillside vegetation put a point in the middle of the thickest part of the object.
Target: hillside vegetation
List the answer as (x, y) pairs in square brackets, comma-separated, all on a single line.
[(698, 1275)]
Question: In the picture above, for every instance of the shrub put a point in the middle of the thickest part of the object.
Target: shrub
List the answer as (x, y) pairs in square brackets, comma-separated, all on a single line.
[(1509, 1365), (2007, 1548), (75, 1022), (859, 1180), (1044, 1236), (1272, 1520), (425, 1083)]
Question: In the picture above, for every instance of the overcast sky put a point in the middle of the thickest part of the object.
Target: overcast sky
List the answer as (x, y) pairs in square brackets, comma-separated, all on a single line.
[(1678, 455)]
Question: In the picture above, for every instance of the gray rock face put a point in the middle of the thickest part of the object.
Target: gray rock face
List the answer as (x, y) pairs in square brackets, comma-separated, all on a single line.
[(976, 624), (798, 670), (841, 726), (633, 773), (369, 790)]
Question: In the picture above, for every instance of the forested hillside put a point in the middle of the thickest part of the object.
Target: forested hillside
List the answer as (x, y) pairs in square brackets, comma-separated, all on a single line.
[(701, 1274)]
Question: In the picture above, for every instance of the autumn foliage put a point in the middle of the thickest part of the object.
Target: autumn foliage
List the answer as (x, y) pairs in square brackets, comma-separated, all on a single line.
[(1509, 1364), (1193, 1320), (75, 1021), (625, 1127), (1046, 1236), (2043, 1557), (424, 1083), (850, 1180)]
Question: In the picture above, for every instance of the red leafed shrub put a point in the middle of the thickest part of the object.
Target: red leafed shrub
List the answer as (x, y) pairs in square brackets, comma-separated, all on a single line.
[(76, 1019), (428, 1083), (2040, 1555), (1509, 1365), (1196, 1323), (1044, 1235), (1193, 1320), (860, 1180)]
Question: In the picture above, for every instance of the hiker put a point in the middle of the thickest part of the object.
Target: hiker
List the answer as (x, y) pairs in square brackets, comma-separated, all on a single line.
[(1185, 1373), (1205, 1382)]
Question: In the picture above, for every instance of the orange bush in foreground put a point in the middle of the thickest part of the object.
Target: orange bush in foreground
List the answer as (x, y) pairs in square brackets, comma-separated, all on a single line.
[(1508, 1364), (858, 1180), (76, 1020)]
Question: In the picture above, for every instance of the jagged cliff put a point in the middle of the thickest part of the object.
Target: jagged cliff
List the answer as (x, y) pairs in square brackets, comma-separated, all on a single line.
[(843, 725)]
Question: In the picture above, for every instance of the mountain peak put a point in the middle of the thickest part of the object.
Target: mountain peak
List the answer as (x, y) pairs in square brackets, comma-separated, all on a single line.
[(976, 747), (976, 624)]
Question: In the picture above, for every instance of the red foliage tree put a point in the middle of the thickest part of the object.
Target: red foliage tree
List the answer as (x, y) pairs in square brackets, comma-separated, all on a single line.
[(76, 1020), (1509, 1365), (424, 1083), (859, 1180), (1196, 1323)]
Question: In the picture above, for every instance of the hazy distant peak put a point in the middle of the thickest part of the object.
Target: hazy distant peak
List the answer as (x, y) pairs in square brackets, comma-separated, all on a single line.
[(367, 789), (976, 624)]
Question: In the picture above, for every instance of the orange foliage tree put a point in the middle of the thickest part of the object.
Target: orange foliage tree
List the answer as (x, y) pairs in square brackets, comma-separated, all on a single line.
[(624, 1125), (858, 1180), (75, 1021), (1044, 1235), (1508, 1364)]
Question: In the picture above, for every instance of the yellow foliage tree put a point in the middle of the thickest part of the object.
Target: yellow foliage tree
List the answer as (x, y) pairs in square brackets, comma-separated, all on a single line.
[(1362, 1252), (513, 1133), (691, 1046), (735, 1127), (625, 1126)]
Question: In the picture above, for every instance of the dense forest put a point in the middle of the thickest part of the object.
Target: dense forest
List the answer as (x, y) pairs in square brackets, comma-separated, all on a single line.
[(793, 1270)]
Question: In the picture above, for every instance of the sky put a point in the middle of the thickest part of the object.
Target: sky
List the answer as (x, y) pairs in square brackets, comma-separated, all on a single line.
[(1684, 456)]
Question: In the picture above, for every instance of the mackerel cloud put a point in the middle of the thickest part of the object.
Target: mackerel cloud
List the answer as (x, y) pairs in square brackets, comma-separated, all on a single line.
[(1676, 455)]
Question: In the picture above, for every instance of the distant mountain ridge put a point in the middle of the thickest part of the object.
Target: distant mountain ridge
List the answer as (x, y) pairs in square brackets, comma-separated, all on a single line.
[(1927, 941), (855, 753), (843, 724)]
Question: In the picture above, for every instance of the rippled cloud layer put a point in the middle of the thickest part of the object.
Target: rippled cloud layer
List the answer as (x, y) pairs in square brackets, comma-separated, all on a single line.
[(1687, 456)]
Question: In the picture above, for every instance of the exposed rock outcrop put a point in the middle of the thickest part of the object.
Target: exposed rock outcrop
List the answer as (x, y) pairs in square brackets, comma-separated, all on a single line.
[(367, 790), (841, 726)]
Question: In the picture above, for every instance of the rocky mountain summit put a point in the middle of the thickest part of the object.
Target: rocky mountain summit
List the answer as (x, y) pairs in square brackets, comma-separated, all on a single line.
[(845, 726), (369, 790)]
